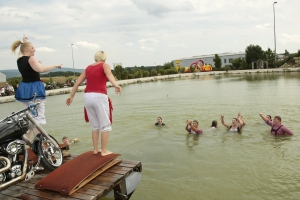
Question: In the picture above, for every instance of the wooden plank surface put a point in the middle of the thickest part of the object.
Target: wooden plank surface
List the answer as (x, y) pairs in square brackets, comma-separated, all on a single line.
[(96, 188)]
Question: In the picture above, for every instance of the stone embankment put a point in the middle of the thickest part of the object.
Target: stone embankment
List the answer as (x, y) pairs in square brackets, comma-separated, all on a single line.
[(292, 65), (7, 99)]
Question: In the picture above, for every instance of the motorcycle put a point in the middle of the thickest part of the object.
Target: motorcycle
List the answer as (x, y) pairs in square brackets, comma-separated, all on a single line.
[(14, 163)]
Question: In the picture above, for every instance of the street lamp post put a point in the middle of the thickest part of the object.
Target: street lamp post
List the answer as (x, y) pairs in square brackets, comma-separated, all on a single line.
[(274, 32), (73, 60)]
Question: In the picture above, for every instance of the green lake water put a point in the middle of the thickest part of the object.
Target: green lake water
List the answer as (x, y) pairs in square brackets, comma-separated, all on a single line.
[(216, 165)]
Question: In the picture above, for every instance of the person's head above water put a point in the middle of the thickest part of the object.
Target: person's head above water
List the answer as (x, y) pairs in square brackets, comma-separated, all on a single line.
[(195, 123), (159, 120), (277, 120), (214, 123), (269, 117), (234, 121)]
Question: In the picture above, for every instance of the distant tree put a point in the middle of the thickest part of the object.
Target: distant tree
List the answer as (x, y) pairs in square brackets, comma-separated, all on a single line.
[(226, 68), (130, 76), (124, 75), (192, 69), (153, 72), (168, 65), (298, 52), (269, 56), (173, 70), (286, 53), (162, 72), (236, 63), (158, 67), (138, 74), (118, 71), (182, 69), (135, 69), (145, 73), (218, 62), (243, 65), (253, 53), (51, 80)]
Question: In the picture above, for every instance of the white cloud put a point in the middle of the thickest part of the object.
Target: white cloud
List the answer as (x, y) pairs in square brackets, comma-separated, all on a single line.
[(146, 48), (129, 44), (264, 26), (177, 45), (45, 49), (285, 38), (148, 44), (148, 41), (86, 44)]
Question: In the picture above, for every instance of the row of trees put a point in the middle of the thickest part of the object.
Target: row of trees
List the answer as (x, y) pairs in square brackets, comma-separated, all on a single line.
[(139, 72), (255, 53)]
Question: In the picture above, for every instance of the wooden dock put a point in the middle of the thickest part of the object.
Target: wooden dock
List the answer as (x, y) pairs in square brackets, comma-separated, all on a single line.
[(112, 179)]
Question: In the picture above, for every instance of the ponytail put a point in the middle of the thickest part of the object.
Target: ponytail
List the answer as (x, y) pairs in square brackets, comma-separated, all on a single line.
[(15, 45), (18, 43)]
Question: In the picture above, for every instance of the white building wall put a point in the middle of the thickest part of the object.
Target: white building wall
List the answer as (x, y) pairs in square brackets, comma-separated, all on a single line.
[(208, 59), (2, 77)]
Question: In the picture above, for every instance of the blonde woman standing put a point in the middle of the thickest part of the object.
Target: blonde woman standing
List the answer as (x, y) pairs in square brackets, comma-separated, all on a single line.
[(30, 69), (96, 101)]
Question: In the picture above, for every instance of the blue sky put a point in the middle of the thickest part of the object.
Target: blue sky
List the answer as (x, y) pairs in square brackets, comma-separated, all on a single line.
[(137, 32)]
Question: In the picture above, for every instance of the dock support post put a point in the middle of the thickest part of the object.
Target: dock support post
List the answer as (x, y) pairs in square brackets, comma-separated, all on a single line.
[(120, 191)]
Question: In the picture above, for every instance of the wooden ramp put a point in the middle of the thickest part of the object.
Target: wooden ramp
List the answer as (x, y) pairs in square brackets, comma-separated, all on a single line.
[(111, 179)]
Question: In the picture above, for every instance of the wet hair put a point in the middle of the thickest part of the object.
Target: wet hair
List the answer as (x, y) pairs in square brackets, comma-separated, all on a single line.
[(235, 119), (195, 121), (17, 43), (214, 123), (65, 137), (277, 117), (270, 117), (159, 118), (100, 56)]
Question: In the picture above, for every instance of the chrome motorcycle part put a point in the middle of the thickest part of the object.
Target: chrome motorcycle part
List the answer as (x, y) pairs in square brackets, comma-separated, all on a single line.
[(14, 147), (17, 169), (52, 156), (19, 178), (2, 177), (29, 175)]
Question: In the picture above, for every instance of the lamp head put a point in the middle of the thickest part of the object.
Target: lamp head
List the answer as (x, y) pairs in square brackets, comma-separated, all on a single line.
[(275, 2)]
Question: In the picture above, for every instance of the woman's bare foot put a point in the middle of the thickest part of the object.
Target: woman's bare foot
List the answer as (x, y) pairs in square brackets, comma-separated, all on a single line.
[(105, 153), (97, 151)]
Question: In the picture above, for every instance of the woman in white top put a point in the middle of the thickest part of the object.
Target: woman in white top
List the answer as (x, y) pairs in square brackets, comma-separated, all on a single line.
[(237, 124)]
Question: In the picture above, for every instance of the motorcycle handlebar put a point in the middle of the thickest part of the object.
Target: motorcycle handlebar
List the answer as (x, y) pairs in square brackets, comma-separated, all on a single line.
[(32, 106)]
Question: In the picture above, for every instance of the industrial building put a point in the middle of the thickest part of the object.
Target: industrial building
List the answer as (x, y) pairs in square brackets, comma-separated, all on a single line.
[(226, 59)]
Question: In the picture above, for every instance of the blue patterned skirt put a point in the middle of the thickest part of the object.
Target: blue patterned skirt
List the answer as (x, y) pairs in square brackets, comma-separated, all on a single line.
[(26, 91)]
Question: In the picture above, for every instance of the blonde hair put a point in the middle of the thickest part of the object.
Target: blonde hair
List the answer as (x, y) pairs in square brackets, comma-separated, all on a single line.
[(100, 56), (17, 43)]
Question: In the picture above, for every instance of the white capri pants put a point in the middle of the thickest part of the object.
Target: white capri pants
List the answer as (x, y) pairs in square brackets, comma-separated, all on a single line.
[(97, 108), (41, 119)]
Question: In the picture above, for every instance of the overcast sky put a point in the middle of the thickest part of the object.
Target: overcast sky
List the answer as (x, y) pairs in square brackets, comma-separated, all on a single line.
[(144, 32)]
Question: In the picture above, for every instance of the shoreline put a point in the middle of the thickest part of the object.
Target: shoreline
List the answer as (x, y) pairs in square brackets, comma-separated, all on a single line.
[(7, 99)]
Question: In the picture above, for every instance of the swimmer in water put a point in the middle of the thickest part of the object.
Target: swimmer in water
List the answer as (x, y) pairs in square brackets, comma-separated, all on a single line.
[(159, 122), (214, 124), (236, 126), (276, 127), (192, 127)]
